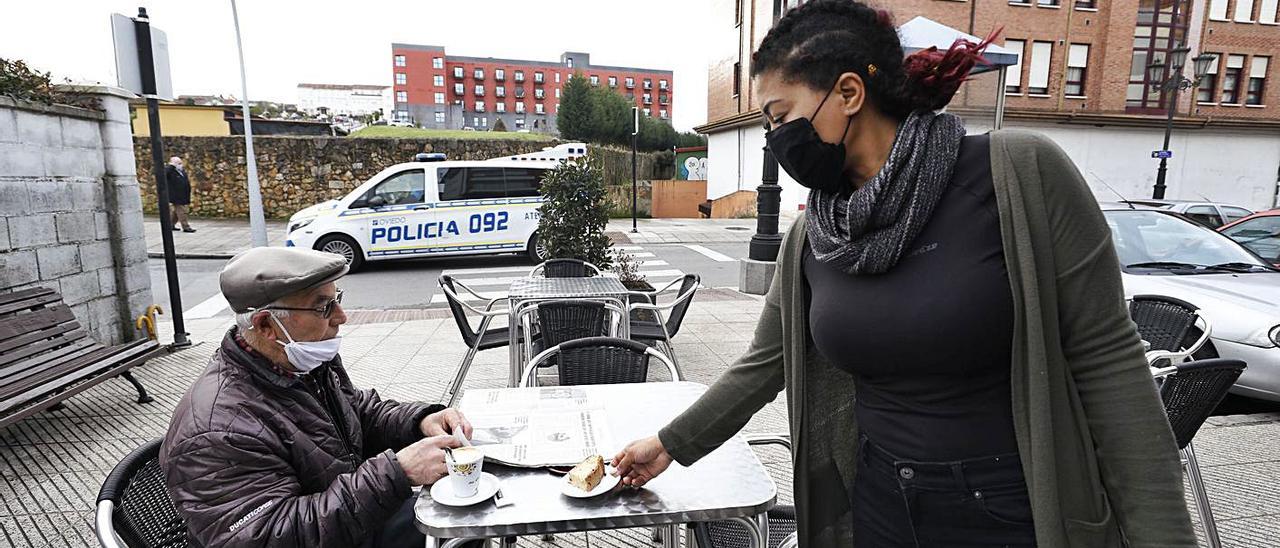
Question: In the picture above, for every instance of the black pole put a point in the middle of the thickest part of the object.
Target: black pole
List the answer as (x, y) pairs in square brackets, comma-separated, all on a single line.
[(766, 241), (1172, 83), (635, 132), (1158, 191), (142, 31)]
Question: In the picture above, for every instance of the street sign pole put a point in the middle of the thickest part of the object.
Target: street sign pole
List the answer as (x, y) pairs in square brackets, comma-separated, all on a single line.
[(142, 32), (635, 132), (257, 221)]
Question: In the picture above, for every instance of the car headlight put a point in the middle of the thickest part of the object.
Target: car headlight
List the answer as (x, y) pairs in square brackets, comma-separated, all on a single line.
[(1266, 337), (1275, 335), (300, 224)]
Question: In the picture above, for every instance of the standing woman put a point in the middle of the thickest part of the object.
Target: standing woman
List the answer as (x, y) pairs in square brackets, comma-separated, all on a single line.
[(966, 288)]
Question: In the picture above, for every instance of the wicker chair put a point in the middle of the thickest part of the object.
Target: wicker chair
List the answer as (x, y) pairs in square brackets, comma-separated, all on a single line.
[(598, 360), (134, 508), (1169, 326), (481, 338), (661, 331), (729, 534), (565, 268), (1190, 392)]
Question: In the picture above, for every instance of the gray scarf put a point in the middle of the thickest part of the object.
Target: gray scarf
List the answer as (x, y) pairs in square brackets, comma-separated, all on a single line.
[(867, 231)]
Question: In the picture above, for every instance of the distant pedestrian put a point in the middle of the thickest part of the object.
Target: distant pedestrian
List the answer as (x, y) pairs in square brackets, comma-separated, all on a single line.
[(179, 193)]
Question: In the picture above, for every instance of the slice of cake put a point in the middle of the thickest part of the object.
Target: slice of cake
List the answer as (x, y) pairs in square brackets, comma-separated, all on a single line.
[(588, 473)]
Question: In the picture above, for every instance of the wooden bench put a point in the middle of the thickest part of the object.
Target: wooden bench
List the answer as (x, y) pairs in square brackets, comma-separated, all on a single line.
[(46, 357)]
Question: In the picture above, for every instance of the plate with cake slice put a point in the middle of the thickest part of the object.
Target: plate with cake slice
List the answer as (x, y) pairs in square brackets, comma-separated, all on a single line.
[(588, 479)]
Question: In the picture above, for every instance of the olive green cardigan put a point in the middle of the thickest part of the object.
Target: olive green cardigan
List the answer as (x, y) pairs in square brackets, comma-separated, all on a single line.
[(1100, 460)]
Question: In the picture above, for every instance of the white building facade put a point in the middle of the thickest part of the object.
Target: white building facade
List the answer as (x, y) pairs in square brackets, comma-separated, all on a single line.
[(354, 100)]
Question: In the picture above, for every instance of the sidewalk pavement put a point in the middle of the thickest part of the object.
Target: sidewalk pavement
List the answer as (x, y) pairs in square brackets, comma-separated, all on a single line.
[(223, 238), (53, 464)]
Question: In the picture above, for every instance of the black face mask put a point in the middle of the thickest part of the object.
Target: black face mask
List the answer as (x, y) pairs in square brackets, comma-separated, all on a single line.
[(808, 159)]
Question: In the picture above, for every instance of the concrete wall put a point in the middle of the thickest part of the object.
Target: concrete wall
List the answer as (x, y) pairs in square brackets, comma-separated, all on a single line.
[(735, 161), (70, 211), (190, 120)]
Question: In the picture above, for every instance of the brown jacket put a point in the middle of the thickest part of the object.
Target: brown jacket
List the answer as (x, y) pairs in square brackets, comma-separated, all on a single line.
[(254, 457)]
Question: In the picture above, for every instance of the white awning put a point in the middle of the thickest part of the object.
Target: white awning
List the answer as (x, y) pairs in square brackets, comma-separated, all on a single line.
[(923, 33)]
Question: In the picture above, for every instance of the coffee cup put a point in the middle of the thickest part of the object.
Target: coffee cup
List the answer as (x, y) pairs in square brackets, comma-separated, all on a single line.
[(464, 471)]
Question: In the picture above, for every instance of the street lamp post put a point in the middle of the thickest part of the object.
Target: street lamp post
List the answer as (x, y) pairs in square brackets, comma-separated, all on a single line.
[(1169, 79)]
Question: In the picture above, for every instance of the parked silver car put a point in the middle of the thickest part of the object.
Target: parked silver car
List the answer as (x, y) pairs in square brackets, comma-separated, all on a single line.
[(1212, 215), (1164, 253)]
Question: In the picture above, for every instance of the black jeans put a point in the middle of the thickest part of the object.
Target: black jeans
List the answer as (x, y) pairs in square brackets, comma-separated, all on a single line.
[(976, 502)]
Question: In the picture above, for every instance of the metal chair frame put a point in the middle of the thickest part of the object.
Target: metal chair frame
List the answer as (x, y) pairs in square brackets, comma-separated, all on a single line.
[(540, 269), (647, 304), (789, 541), (526, 314), (487, 315), (529, 379), (113, 491)]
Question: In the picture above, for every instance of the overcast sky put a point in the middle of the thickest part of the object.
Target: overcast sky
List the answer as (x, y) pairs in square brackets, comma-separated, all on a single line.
[(329, 41)]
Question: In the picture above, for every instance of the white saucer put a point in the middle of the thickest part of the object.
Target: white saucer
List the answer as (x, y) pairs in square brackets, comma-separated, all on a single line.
[(607, 483), (442, 491)]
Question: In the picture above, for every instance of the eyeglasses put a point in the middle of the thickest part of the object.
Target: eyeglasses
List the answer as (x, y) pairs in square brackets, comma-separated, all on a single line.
[(324, 310)]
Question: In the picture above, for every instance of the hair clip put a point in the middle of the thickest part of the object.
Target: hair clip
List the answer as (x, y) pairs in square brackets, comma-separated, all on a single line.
[(871, 70)]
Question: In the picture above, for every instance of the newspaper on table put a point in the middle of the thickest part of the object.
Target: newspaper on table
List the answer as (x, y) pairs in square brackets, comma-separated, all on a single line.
[(549, 426)]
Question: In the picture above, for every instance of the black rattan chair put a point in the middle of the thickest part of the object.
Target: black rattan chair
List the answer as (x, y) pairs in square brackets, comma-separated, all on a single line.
[(1169, 326), (729, 534), (657, 329), (1190, 392), (598, 360), (134, 508), (481, 338), (565, 268)]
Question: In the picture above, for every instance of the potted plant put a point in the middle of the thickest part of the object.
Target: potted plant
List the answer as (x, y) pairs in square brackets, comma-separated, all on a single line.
[(574, 214), (627, 268)]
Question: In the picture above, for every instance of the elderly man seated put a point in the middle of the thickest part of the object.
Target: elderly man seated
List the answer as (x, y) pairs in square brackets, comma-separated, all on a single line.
[(273, 446)]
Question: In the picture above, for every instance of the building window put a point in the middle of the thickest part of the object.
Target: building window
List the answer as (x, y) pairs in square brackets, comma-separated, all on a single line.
[(499, 75), (519, 76), (1077, 69), (439, 117), (557, 77), (479, 90), (569, 62), (479, 106), (519, 93), (613, 81), (662, 114), (557, 93), (538, 108), (1231, 80), (1267, 12), (478, 74), (664, 99), (1218, 10), (1038, 80), (458, 89), (1155, 35), (519, 108), (631, 83), (1244, 11), (648, 112), (1209, 83), (1086, 4), (457, 72), (399, 60), (539, 94), (1020, 2), (500, 92), (595, 80), (519, 123), (648, 99), (401, 79), (662, 85), (1013, 78), (500, 107), (439, 98), (537, 77), (1257, 80), (737, 78), (1049, 3), (437, 63), (402, 115), (648, 84), (437, 80), (402, 96)]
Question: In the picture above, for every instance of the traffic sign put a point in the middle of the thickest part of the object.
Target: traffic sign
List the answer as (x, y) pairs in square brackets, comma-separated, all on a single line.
[(1162, 154)]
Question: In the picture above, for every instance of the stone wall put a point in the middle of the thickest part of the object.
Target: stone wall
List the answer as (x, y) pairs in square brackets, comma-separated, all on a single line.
[(70, 211), (296, 172)]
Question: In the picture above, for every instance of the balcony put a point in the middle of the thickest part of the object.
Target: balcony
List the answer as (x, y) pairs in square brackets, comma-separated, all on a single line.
[(631, 85), (648, 100), (519, 78), (539, 80), (648, 85), (539, 94), (479, 91), (662, 85)]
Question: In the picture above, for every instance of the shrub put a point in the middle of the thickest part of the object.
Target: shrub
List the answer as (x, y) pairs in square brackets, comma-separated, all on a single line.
[(627, 267), (575, 211)]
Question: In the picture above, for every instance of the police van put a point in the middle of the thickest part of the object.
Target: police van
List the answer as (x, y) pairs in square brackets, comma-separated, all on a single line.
[(434, 207)]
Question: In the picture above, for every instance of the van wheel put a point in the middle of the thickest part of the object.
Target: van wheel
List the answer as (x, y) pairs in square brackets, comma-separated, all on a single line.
[(535, 250), (342, 245)]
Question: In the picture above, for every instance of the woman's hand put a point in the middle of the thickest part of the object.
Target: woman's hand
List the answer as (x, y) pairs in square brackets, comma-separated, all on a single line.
[(641, 461)]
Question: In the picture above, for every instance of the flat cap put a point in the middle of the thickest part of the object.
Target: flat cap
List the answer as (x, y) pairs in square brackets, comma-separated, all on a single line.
[(263, 275)]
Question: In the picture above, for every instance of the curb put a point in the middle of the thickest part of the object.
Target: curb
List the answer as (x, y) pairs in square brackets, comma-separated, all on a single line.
[(151, 255)]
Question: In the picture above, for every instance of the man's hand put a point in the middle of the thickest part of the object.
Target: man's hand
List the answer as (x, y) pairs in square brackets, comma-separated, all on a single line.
[(641, 461), (445, 422), (423, 461)]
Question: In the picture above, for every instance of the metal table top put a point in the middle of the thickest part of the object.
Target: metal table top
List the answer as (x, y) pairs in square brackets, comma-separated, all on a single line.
[(567, 288), (728, 483)]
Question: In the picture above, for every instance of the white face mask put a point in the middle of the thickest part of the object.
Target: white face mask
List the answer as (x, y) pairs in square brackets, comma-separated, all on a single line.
[(308, 355)]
